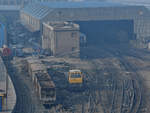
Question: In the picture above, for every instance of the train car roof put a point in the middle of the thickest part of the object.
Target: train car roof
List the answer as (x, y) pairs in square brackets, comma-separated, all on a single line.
[(36, 67), (33, 61), (74, 70)]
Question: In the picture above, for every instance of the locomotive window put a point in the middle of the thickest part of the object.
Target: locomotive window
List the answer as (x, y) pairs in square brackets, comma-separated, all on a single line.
[(75, 75)]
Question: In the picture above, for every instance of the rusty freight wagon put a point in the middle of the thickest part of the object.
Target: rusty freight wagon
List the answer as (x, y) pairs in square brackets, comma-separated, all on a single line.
[(30, 61), (45, 88), (41, 76), (34, 66)]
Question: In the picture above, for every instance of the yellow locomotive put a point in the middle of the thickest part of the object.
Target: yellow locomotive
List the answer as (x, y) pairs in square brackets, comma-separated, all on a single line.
[(75, 77)]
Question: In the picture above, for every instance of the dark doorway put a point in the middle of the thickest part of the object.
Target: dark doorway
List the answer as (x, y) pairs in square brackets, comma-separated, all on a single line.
[(107, 31), (104, 35)]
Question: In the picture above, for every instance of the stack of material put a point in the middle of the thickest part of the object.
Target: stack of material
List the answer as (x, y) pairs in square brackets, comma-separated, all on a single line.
[(42, 81), (45, 87)]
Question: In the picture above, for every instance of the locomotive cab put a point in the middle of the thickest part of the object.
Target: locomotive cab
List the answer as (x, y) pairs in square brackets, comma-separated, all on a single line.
[(75, 77)]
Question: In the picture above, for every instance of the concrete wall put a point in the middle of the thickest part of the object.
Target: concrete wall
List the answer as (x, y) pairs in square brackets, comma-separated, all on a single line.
[(47, 41), (31, 23), (66, 42), (60, 42)]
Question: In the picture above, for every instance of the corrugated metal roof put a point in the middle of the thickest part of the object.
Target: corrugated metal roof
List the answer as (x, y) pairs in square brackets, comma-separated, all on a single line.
[(80, 4), (40, 9), (36, 10)]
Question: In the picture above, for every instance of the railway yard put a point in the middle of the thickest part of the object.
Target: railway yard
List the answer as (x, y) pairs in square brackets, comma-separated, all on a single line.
[(116, 79), (106, 91)]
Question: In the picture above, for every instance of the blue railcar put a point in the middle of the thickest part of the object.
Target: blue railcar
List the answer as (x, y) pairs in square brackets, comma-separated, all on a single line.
[(1, 103), (2, 35)]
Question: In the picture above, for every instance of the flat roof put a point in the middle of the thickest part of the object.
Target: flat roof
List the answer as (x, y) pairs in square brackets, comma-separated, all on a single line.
[(74, 70), (38, 67), (62, 25)]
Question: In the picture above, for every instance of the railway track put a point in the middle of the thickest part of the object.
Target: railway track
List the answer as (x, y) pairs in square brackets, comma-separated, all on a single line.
[(24, 102), (105, 93), (136, 86), (135, 77), (128, 93), (27, 101), (95, 92)]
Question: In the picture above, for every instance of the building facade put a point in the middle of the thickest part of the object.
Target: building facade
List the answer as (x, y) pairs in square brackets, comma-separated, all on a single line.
[(61, 38), (88, 11)]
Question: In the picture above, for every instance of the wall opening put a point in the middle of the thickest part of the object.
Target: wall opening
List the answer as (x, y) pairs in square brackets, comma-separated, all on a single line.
[(107, 32)]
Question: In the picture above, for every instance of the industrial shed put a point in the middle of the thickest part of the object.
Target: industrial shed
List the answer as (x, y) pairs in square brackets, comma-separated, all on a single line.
[(138, 17), (33, 15)]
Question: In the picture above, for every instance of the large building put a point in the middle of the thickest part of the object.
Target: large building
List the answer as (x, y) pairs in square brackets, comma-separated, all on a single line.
[(61, 38), (132, 21)]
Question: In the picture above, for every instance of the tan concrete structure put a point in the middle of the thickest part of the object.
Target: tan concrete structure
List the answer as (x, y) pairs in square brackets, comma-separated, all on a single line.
[(61, 38)]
